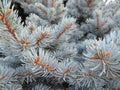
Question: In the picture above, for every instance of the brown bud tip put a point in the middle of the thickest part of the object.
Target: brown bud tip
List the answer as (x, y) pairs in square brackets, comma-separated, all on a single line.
[(1, 16), (9, 11), (108, 53)]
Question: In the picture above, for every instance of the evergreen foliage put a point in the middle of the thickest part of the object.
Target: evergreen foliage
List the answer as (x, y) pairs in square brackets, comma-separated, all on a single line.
[(61, 45)]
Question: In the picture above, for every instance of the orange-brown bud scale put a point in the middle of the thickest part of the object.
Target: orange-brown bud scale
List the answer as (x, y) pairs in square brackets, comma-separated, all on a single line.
[(93, 57), (1, 16), (9, 11), (24, 45), (37, 60), (89, 74), (67, 70), (108, 53), (31, 28), (42, 64), (49, 68), (23, 42)]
